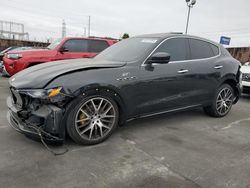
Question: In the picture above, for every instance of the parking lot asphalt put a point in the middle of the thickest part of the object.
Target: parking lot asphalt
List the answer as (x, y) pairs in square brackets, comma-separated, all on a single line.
[(185, 149)]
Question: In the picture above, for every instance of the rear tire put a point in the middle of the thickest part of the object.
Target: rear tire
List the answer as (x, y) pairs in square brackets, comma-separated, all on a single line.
[(92, 119), (222, 102)]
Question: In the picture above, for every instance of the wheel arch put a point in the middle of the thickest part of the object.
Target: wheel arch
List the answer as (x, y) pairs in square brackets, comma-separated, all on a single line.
[(232, 81), (109, 91)]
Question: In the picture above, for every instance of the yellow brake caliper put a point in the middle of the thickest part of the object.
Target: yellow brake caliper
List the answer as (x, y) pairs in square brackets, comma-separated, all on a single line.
[(83, 118)]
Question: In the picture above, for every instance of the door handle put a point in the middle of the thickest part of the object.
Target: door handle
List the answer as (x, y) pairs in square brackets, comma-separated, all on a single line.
[(182, 71), (218, 66)]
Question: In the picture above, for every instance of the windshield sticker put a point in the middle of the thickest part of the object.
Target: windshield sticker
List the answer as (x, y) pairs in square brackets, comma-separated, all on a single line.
[(149, 41)]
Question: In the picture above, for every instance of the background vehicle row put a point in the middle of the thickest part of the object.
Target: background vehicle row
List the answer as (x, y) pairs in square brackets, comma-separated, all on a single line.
[(67, 48)]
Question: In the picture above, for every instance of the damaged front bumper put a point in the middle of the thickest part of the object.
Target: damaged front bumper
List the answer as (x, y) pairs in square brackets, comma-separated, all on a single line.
[(46, 121)]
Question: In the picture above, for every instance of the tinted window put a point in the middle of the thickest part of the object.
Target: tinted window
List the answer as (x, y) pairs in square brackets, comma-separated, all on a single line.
[(76, 45), (97, 45), (177, 49), (200, 49), (215, 49)]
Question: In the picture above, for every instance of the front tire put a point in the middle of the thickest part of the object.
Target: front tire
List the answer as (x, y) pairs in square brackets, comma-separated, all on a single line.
[(92, 120), (222, 102)]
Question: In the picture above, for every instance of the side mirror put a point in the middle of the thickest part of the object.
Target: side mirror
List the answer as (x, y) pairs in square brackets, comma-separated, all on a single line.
[(159, 57), (63, 49)]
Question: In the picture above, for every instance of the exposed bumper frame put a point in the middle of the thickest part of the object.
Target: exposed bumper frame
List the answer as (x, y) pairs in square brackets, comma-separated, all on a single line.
[(26, 128)]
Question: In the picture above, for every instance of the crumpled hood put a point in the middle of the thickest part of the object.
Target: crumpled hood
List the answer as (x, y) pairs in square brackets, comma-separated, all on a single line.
[(38, 76)]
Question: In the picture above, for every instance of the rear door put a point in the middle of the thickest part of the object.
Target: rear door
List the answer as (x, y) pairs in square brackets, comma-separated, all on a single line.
[(96, 46), (203, 69)]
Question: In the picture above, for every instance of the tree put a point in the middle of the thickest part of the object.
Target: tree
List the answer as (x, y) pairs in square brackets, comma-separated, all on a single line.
[(125, 36)]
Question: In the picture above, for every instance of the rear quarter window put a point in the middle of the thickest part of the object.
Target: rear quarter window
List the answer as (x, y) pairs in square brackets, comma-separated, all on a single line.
[(215, 49), (200, 49)]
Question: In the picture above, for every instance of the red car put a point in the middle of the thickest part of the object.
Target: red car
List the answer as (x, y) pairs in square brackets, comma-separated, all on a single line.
[(67, 48)]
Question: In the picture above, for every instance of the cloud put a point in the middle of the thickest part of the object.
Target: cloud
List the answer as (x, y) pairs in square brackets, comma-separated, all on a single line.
[(209, 19)]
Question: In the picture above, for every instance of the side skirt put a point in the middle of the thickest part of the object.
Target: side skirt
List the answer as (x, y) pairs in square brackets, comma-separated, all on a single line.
[(164, 112)]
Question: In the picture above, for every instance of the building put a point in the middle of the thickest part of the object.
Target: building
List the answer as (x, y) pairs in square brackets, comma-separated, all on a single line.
[(240, 53), (5, 43)]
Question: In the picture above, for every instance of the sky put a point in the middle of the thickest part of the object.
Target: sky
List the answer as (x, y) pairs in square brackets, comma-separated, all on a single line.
[(111, 18)]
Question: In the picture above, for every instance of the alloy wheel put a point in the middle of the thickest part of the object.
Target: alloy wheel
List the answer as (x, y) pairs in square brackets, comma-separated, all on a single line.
[(224, 101), (95, 118)]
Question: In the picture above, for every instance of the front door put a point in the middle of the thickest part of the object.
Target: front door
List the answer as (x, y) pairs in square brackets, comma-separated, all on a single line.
[(168, 86)]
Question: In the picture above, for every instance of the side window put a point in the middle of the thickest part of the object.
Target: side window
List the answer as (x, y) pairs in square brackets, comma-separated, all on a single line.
[(176, 47), (200, 49), (215, 49), (76, 45), (97, 45)]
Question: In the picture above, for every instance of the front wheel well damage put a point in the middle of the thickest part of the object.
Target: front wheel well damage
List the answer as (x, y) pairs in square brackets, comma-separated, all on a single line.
[(104, 91)]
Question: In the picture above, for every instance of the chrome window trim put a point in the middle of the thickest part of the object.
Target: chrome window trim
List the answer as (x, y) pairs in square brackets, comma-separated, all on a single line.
[(190, 60)]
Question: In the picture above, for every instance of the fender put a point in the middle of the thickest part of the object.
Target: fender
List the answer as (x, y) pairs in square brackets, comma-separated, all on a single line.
[(108, 90), (230, 77), (234, 81)]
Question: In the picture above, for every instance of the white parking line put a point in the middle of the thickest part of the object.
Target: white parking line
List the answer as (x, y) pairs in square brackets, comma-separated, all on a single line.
[(1, 127), (235, 123)]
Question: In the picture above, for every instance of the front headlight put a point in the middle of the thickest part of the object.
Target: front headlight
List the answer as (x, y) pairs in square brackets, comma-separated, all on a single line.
[(14, 56), (42, 93), (36, 93)]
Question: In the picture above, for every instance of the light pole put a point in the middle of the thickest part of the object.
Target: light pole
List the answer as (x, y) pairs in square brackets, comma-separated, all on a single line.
[(89, 26), (190, 5)]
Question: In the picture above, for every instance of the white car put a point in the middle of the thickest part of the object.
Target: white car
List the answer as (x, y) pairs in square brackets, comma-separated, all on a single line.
[(245, 69)]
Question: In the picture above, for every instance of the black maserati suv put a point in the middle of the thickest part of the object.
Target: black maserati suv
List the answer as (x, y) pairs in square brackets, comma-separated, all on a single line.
[(137, 77)]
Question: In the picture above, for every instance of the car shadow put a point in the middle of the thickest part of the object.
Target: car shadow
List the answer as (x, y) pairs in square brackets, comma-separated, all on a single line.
[(166, 117), (167, 120), (245, 96), (156, 121)]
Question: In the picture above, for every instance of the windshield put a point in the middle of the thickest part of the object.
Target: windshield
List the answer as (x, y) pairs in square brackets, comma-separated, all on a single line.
[(128, 50), (54, 44)]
